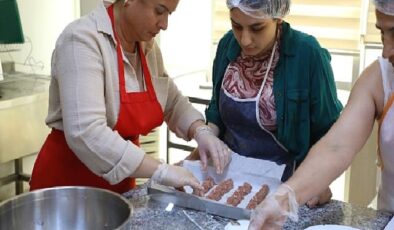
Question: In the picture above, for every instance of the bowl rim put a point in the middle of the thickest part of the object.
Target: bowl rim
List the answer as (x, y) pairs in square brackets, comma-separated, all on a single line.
[(43, 190)]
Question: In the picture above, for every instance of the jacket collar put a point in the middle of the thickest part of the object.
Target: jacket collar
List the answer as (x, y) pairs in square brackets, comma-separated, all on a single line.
[(103, 22), (287, 39)]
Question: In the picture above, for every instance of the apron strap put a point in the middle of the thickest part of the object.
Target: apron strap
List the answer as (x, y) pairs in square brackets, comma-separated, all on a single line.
[(146, 72), (118, 51)]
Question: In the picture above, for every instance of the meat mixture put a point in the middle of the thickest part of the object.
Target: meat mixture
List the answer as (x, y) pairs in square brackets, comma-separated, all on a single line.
[(239, 194), (207, 184), (221, 189), (258, 197)]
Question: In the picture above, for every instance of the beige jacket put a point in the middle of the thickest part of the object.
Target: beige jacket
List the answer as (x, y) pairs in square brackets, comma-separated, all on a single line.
[(84, 96)]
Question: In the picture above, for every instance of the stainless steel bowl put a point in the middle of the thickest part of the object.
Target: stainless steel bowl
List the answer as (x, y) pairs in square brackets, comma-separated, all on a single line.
[(77, 208)]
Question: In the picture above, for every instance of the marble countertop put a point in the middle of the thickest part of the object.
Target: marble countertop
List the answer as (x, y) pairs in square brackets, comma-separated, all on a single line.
[(150, 214)]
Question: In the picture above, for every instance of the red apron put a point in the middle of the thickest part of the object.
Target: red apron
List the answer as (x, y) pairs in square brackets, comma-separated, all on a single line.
[(139, 113)]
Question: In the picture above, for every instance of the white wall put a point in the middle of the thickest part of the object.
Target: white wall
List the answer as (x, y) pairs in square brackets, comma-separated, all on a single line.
[(187, 43), (186, 47), (42, 22), (87, 6)]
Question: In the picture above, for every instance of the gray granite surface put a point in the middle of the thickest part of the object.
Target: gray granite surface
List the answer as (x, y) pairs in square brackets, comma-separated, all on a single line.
[(150, 214)]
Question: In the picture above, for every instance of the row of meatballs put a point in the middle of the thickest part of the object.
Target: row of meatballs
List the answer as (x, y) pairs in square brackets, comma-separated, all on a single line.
[(238, 195)]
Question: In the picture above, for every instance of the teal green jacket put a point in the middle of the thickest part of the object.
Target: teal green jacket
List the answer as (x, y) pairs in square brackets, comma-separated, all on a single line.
[(304, 89)]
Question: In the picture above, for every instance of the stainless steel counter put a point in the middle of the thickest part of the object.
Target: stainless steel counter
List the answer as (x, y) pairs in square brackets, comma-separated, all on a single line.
[(150, 214), (23, 108)]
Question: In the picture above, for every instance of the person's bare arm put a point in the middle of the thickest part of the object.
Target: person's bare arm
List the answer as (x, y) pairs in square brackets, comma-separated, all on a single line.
[(330, 156)]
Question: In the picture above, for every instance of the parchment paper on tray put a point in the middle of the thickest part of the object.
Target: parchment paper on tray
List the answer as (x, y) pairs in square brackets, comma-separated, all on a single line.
[(241, 169)]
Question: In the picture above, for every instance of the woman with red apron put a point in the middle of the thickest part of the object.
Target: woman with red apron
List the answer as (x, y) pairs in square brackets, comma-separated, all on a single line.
[(87, 144), (140, 112)]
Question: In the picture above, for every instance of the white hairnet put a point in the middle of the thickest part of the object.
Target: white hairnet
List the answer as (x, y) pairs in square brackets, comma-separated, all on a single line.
[(385, 6), (261, 8)]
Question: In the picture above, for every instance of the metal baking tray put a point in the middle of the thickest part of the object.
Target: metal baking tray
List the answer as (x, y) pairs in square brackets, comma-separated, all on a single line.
[(166, 194)]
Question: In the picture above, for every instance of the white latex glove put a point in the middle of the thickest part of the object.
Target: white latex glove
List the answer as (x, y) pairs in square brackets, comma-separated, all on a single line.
[(273, 211), (211, 146), (175, 176)]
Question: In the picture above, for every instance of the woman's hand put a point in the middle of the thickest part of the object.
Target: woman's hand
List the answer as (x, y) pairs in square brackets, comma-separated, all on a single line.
[(194, 155), (211, 146), (323, 198), (274, 210), (175, 176)]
